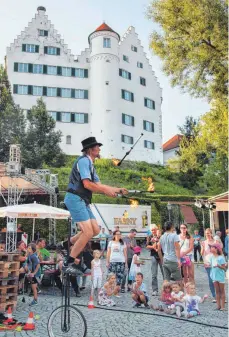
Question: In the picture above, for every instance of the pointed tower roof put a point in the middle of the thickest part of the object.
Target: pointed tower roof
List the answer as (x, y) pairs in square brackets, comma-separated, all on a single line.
[(103, 28)]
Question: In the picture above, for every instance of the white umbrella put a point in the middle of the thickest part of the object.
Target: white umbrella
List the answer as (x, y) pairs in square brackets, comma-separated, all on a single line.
[(36, 211)]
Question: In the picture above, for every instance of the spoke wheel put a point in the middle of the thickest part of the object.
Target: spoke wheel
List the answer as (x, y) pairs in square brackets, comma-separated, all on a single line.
[(67, 322)]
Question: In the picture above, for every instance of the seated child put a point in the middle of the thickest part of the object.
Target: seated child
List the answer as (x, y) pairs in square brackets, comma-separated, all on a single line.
[(109, 289), (177, 297), (192, 301), (135, 264), (139, 293), (166, 299)]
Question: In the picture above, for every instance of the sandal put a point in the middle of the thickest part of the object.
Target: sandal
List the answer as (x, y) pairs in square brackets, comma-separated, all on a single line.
[(222, 309)]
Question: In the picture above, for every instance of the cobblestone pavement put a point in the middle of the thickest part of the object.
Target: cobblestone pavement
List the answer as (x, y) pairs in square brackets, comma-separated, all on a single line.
[(117, 322)]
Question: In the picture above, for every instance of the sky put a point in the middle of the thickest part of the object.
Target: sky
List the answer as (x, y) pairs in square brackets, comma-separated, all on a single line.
[(76, 19)]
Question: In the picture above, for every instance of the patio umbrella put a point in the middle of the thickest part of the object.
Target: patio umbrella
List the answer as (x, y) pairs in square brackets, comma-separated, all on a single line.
[(34, 211)]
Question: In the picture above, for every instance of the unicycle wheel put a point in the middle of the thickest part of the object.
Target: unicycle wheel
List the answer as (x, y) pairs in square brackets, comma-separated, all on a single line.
[(67, 321)]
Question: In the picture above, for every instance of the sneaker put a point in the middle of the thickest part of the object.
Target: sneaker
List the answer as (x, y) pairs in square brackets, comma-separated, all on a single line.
[(72, 269), (137, 305), (38, 290), (147, 306), (34, 302), (155, 293), (117, 296), (123, 290), (214, 301), (82, 288)]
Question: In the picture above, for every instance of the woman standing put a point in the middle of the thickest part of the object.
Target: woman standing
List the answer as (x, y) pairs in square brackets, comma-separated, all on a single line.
[(186, 248), (117, 257), (205, 252)]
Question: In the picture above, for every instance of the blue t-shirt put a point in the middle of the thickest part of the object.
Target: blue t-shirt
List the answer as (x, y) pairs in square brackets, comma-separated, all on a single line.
[(141, 288), (32, 262), (217, 274), (196, 242), (85, 168)]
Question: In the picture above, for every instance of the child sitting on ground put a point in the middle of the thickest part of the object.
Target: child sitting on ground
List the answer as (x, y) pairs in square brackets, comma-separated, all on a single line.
[(135, 264), (139, 292), (192, 301), (177, 297), (166, 299), (109, 289), (96, 273)]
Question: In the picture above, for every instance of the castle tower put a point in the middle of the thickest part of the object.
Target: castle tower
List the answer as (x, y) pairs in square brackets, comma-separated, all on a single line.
[(104, 89)]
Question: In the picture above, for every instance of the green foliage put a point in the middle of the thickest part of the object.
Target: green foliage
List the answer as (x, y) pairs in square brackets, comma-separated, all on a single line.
[(192, 42), (12, 123), (41, 144)]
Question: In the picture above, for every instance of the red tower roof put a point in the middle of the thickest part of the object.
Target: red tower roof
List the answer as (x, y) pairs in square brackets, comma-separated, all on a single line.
[(103, 28)]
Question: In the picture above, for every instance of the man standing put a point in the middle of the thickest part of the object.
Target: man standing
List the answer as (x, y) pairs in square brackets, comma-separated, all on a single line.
[(83, 182), (44, 254), (197, 246), (103, 242), (152, 244), (130, 242), (169, 244)]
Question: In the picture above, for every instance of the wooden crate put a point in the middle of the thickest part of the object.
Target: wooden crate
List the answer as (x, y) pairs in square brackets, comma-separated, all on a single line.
[(7, 297), (9, 273), (9, 257)]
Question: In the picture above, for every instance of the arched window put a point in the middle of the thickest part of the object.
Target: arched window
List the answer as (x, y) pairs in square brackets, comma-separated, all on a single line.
[(68, 139)]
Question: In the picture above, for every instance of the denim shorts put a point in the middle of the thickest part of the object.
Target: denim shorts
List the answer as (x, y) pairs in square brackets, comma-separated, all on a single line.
[(77, 207)]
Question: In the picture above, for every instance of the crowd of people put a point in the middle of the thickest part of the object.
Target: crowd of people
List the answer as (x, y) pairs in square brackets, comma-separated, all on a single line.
[(171, 253)]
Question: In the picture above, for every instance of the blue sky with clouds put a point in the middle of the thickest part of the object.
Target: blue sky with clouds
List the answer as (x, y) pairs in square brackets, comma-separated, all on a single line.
[(76, 19)]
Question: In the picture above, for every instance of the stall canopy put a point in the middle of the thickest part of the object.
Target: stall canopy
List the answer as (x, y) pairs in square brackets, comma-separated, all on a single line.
[(35, 211), (188, 214)]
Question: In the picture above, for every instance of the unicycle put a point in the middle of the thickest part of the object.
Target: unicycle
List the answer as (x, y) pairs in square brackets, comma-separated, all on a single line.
[(66, 320)]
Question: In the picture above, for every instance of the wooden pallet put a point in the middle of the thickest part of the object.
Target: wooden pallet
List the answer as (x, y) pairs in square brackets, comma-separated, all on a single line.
[(4, 290), (9, 303), (9, 273), (9, 281), (9, 265), (9, 257), (7, 297)]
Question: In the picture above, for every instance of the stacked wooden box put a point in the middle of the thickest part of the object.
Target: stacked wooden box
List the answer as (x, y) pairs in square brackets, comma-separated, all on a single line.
[(9, 274)]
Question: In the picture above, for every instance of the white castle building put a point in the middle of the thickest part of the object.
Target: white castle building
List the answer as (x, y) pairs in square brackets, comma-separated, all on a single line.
[(108, 91)]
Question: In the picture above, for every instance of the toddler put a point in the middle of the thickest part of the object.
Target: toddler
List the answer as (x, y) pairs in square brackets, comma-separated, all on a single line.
[(135, 264), (177, 297), (139, 293), (96, 272), (166, 300), (109, 289), (192, 301)]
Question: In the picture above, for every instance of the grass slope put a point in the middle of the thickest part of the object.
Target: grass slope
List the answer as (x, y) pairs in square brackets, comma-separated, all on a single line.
[(129, 175)]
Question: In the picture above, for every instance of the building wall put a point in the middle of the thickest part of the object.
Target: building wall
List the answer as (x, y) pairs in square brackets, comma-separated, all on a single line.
[(104, 104), (169, 154)]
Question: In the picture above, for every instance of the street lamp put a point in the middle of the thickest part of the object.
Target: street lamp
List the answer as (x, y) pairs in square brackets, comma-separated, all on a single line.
[(169, 207)]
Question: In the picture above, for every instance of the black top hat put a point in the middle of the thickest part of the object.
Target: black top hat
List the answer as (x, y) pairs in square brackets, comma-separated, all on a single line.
[(89, 142)]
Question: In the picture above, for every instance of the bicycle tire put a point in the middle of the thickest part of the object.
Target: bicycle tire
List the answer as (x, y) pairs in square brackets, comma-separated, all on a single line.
[(55, 323)]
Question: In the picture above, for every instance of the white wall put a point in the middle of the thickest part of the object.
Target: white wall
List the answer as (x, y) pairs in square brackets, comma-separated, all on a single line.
[(169, 154), (105, 105)]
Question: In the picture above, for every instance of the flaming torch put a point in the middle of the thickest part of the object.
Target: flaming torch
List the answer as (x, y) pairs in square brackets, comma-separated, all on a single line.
[(119, 162), (134, 203), (151, 187)]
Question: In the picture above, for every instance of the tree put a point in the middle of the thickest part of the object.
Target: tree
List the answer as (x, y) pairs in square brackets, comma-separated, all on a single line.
[(192, 42), (208, 151), (41, 144), (189, 128), (12, 121)]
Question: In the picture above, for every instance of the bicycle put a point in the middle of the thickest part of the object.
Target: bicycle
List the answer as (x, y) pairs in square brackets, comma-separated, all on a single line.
[(67, 320)]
